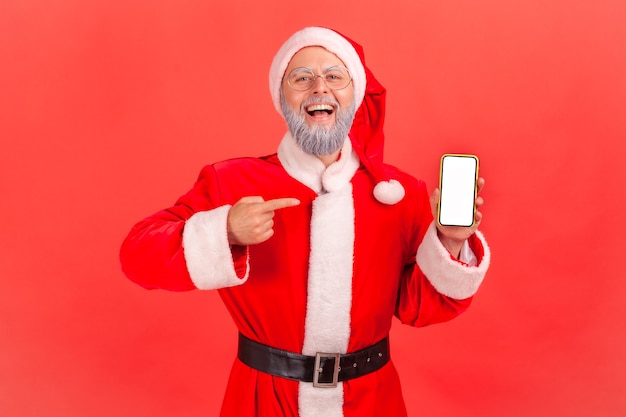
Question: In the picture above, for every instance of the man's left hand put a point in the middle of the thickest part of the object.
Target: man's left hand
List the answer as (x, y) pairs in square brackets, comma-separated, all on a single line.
[(452, 237)]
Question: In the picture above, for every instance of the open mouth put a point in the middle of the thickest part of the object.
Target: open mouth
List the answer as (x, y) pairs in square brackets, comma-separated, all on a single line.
[(320, 109)]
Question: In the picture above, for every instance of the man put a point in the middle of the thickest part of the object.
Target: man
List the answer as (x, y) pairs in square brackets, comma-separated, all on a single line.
[(314, 249)]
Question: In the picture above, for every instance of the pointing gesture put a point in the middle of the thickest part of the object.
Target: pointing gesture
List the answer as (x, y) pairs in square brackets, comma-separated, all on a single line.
[(250, 220)]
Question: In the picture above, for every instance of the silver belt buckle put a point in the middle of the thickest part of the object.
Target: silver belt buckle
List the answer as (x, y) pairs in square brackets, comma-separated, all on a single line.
[(317, 370)]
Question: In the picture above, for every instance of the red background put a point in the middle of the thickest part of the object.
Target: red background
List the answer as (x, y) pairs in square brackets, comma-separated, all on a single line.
[(108, 109)]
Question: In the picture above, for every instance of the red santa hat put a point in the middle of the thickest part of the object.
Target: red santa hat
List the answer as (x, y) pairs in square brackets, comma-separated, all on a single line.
[(366, 134)]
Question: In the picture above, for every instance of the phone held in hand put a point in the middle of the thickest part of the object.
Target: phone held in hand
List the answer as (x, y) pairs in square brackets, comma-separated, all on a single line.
[(457, 183)]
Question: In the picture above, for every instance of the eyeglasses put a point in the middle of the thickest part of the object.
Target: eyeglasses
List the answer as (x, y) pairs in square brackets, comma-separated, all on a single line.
[(302, 79)]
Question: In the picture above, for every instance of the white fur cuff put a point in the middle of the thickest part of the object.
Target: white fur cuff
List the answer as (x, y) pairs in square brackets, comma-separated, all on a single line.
[(207, 252), (451, 278)]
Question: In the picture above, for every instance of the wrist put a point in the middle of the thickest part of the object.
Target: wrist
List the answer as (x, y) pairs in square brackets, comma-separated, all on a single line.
[(452, 245)]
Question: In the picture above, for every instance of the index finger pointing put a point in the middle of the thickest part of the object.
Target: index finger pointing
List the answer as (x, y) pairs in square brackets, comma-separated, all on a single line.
[(279, 203)]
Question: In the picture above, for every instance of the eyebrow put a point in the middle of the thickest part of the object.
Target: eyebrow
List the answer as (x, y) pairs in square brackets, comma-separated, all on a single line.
[(298, 70)]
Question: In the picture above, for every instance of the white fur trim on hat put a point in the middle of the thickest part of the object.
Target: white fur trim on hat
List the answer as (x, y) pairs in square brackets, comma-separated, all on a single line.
[(328, 39)]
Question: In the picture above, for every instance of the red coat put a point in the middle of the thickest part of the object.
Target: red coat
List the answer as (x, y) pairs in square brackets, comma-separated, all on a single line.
[(338, 268)]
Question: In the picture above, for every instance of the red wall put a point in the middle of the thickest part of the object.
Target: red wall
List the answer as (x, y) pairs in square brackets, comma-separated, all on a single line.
[(108, 109)]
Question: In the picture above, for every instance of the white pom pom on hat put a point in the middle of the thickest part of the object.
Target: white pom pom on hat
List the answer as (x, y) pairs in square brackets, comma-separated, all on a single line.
[(366, 133), (389, 192)]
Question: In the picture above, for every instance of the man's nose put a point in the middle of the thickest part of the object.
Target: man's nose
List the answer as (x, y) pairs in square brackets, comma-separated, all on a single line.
[(319, 84)]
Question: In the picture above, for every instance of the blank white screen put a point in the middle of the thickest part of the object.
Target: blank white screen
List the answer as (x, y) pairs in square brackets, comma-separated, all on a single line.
[(457, 191)]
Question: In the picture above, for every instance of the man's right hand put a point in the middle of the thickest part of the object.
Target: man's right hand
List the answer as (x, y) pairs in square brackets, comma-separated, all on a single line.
[(250, 220)]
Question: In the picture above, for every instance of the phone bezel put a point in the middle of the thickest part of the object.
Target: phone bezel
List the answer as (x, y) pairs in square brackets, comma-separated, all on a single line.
[(441, 165)]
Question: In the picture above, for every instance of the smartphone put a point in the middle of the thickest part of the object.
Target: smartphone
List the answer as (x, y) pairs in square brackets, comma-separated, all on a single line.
[(457, 183)]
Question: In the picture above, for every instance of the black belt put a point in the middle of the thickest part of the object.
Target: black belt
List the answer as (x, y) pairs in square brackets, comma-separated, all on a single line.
[(323, 369)]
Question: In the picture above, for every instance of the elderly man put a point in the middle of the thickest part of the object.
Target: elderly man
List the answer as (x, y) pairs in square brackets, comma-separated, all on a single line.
[(314, 249)]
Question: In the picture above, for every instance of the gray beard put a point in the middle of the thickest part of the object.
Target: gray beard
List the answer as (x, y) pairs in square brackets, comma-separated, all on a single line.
[(318, 140)]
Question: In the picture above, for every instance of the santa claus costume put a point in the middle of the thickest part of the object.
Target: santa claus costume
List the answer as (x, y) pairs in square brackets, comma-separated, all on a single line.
[(360, 249)]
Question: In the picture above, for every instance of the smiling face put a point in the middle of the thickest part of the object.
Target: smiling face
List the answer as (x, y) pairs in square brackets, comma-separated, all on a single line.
[(319, 60), (319, 118)]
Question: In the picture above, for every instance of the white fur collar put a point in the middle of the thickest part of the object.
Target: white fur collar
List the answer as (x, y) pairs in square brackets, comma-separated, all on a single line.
[(310, 171)]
